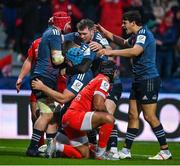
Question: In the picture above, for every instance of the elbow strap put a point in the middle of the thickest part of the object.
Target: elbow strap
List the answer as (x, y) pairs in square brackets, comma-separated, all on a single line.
[(57, 58)]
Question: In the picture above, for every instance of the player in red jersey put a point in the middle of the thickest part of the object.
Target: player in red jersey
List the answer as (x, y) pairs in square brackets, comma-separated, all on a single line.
[(27, 67), (86, 112)]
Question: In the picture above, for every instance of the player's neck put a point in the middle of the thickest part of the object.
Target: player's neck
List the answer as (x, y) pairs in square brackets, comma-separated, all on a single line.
[(136, 29)]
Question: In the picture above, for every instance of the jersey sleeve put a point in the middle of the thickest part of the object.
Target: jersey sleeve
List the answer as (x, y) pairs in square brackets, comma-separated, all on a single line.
[(103, 41), (102, 88), (30, 52), (70, 37), (55, 40), (88, 53), (76, 83), (142, 39)]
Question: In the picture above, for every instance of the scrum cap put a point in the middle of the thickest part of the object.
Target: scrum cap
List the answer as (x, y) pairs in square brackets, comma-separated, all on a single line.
[(60, 19), (75, 55)]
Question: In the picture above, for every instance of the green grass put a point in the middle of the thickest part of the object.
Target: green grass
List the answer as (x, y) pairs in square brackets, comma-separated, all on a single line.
[(12, 152)]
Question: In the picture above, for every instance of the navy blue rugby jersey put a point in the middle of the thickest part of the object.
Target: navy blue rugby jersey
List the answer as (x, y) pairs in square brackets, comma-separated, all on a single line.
[(51, 40), (144, 65), (75, 83)]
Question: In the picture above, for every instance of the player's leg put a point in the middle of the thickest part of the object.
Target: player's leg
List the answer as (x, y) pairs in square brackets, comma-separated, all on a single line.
[(106, 123), (40, 125), (35, 112), (112, 145), (132, 129), (74, 143), (149, 108), (133, 124), (52, 127), (77, 148)]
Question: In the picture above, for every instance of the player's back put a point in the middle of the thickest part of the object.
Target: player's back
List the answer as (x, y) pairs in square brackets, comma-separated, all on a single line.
[(51, 40)]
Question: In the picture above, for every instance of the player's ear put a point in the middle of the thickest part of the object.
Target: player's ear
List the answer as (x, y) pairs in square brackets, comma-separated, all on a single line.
[(133, 22)]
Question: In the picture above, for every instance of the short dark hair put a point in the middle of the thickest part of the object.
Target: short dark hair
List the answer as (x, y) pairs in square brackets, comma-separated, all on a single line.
[(85, 23), (107, 68), (133, 15)]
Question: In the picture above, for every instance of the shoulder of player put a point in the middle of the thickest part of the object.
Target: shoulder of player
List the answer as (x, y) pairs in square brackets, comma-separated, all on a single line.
[(36, 42), (97, 36), (52, 31), (100, 77)]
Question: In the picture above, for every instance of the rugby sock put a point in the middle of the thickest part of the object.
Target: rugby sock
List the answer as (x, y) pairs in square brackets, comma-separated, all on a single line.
[(130, 135), (160, 134), (50, 136), (68, 150), (113, 140), (104, 134), (92, 136), (36, 136)]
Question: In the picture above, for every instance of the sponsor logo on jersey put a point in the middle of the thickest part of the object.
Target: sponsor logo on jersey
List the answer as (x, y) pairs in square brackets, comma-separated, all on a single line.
[(104, 86), (154, 97), (141, 39), (144, 97), (77, 85)]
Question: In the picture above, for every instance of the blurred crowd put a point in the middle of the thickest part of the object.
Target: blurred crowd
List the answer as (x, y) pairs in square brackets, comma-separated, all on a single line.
[(23, 21)]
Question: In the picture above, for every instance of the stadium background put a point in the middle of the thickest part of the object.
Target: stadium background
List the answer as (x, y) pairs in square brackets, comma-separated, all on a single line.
[(23, 21)]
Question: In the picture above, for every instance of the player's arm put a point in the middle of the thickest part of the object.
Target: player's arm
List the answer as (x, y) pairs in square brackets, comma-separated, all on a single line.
[(95, 46), (57, 96), (116, 39), (99, 103), (24, 71), (128, 52), (57, 57)]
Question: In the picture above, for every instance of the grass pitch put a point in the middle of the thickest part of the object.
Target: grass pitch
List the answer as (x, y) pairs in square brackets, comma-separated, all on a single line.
[(12, 152)]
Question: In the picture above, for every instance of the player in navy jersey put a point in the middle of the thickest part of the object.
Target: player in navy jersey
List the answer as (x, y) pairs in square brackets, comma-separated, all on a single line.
[(74, 83), (47, 70), (141, 47), (87, 34)]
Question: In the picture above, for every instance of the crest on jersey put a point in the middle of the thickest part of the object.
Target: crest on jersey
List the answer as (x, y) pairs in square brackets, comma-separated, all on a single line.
[(77, 85), (141, 39), (104, 86)]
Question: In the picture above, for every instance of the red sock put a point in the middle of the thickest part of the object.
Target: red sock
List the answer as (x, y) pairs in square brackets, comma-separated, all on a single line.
[(41, 141), (104, 134), (71, 152)]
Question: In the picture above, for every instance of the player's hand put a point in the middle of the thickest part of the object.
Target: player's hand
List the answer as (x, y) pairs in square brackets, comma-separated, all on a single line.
[(94, 46), (104, 52), (159, 42), (18, 85), (37, 84), (100, 28)]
